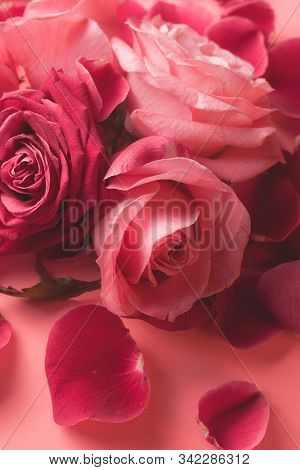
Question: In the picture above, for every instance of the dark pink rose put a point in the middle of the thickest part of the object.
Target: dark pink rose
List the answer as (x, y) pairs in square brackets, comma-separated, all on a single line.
[(51, 152), (185, 87), (176, 235)]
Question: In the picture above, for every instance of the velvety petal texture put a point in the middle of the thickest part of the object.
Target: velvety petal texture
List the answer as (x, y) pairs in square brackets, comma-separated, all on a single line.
[(242, 317), (5, 332), (177, 235), (185, 87), (94, 369), (243, 38), (279, 292), (284, 74), (234, 416)]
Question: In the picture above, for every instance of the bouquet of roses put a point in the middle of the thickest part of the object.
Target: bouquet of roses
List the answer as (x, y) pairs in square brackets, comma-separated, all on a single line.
[(162, 137)]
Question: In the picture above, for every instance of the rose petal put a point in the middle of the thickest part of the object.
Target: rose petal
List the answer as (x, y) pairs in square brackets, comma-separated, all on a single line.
[(242, 37), (279, 292), (189, 12), (240, 315), (234, 416), (283, 74), (129, 9), (102, 80), (94, 369), (279, 215), (5, 332), (258, 11), (71, 37)]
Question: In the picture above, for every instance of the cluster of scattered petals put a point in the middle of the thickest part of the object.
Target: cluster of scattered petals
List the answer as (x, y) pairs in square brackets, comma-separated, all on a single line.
[(234, 416), (5, 332), (94, 369)]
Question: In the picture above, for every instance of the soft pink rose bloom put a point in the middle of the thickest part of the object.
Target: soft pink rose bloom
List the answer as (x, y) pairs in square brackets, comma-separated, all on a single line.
[(185, 87), (162, 246), (54, 39), (243, 27)]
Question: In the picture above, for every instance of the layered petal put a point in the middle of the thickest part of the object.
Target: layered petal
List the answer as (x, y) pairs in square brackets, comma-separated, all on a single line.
[(283, 74), (242, 37), (242, 317)]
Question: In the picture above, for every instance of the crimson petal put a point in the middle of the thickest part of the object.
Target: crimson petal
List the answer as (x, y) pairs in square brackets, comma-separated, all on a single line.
[(242, 37), (258, 11), (283, 74), (240, 315), (5, 332), (234, 416), (279, 215), (279, 291), (94, 369)]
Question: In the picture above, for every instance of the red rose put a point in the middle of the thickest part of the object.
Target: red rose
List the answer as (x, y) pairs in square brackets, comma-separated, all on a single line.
[(51, 152)]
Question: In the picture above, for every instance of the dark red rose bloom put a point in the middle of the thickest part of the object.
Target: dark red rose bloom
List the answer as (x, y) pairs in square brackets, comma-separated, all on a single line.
[(51, 152)]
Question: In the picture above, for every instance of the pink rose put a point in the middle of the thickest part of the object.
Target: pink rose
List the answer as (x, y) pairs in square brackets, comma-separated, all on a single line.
[(51, 152), (176, 235), (242, 27), (185, 87)]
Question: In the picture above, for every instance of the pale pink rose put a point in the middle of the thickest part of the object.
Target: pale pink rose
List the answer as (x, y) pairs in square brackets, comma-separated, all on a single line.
[(41, 39), (176, 235), (185, 87)]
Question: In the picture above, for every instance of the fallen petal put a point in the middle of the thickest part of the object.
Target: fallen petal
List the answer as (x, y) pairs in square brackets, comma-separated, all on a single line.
[(279, 292), (241, 317), (234, 416), (94, 369), (5, 332)]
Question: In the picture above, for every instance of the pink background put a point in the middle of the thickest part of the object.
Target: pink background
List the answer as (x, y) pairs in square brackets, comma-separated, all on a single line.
[(181, 366)]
